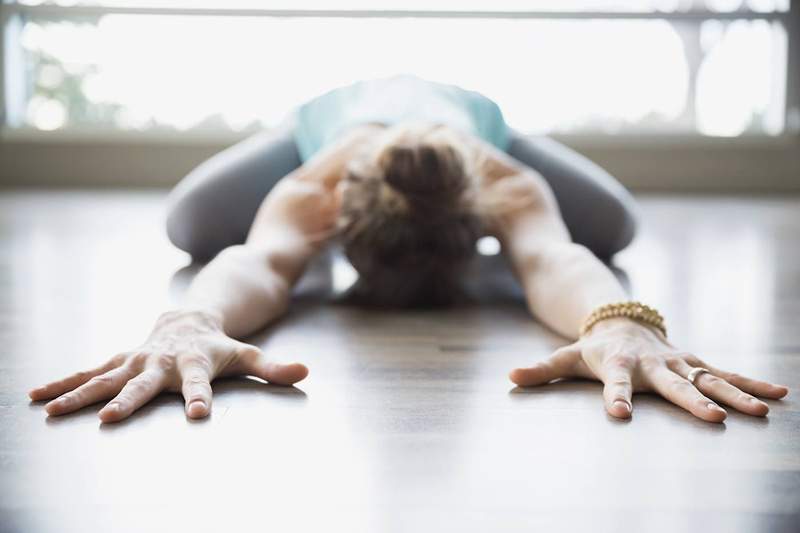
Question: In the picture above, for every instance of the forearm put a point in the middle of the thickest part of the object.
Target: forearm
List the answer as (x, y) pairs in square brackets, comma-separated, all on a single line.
[(245, 286), (564, 282)]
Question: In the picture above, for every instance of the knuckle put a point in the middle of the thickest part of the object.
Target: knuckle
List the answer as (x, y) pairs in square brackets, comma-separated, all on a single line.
[(68, 398), (194, 359), (649, 361), (196, 385), (195, 381), (83, 375), (121, 401), (136, 386), (102, 380), (693, 360), (673, 361), (733, 376), (166, 361), (711, 380), (119, 358), (620, 382), (680, 387), (72, 398), (248, 352), (624, 361), (145, 379), (138, 359), (702, 401)]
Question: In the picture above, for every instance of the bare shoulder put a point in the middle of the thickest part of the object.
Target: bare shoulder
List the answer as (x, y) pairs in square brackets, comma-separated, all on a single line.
[(307, 201), (508, 189), (295, 190), (297, 206)]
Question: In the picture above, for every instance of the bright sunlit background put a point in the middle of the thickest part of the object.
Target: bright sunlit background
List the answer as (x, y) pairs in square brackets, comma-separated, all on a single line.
[(707, 67)]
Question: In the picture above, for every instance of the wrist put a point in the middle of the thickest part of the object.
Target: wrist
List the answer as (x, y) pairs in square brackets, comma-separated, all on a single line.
[(623, 325), (197, 316), (633, 310)]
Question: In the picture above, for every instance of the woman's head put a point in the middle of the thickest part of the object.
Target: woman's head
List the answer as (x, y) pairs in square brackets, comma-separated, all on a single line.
[(408, 220)]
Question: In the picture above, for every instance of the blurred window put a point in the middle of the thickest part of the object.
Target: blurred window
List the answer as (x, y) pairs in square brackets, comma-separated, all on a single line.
[(708, 67)]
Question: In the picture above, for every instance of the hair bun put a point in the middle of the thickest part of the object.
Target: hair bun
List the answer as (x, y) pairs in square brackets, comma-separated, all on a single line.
[(425, 173)]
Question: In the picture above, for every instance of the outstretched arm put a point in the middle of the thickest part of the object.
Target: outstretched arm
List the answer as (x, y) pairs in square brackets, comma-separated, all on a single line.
[(564, 283), (248, 286), (239, 292)]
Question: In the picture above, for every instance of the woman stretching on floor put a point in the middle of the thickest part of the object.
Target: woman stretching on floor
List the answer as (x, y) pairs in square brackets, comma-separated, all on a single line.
[(407, 174)]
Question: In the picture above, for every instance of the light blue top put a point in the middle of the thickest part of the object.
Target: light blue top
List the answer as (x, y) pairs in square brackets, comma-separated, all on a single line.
[(392, 100)]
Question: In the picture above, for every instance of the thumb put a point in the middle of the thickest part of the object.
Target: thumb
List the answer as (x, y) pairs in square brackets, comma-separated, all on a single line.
[(255, 363), (565, 362)]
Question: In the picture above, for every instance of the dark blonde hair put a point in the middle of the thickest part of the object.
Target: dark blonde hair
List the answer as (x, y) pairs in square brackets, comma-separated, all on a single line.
[(408, 221)]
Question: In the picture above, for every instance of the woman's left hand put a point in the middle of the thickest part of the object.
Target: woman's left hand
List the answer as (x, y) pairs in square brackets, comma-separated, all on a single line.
[(630, 357)]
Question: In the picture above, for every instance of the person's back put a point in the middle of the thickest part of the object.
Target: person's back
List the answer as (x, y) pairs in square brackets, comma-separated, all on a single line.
[(213, 207), (395, 100)]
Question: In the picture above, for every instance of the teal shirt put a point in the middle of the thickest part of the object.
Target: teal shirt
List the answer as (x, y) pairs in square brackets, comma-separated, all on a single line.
[(392, 100)]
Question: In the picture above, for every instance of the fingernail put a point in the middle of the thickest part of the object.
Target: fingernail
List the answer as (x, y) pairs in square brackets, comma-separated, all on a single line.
[(715, 407), (112, 407), (625, 405), (196, 407)]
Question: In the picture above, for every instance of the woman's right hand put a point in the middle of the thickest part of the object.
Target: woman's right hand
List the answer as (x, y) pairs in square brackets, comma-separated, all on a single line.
[(185, 352)]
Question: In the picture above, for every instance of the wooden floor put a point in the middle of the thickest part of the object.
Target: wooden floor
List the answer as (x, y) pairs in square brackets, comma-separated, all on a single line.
[(407, 421)]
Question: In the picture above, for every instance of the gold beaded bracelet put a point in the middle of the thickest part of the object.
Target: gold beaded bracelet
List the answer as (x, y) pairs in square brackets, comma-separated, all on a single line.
[(633, 310)]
